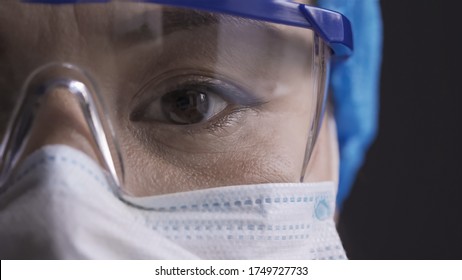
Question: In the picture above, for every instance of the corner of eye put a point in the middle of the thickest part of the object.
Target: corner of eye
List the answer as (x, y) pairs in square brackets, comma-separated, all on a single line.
[(136, 116)]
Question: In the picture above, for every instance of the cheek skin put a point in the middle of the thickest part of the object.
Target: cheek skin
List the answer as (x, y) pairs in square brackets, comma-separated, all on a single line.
[(265, 163), (324, 162), (153, 171)]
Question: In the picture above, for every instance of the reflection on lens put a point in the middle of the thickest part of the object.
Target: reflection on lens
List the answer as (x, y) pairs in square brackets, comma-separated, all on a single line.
[(186, 106), (196, 99)]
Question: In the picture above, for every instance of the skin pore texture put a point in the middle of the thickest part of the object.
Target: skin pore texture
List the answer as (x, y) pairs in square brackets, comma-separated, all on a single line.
[(256, 80)]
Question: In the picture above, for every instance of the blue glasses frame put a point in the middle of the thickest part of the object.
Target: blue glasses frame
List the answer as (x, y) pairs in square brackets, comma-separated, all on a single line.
[(332, 27)]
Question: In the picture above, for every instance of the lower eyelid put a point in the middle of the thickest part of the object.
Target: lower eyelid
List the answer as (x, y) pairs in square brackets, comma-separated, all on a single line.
[(224, 121), (230, 121)]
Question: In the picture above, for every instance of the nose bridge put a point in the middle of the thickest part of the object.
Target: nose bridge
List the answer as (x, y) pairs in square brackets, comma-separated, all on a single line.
[(59, 104), (59, 119)]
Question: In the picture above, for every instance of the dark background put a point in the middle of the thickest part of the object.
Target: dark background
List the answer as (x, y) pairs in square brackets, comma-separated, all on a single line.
[(407, 200)]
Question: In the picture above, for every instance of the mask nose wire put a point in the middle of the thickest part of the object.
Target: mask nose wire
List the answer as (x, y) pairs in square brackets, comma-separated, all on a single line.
[(61, 79)]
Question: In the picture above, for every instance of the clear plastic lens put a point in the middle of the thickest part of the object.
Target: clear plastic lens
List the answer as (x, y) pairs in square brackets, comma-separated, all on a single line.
[(185, 99)]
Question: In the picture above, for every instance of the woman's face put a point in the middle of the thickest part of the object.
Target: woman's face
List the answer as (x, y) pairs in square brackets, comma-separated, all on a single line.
[(196, 99)]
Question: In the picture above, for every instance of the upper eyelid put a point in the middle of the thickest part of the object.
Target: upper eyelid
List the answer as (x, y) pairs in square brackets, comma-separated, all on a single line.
[(184, 77), (238, 95)]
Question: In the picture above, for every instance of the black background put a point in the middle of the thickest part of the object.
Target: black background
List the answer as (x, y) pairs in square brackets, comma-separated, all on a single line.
[(407, 200)]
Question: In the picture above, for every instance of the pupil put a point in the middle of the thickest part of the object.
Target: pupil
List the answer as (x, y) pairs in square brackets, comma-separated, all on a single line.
[(185, 106)]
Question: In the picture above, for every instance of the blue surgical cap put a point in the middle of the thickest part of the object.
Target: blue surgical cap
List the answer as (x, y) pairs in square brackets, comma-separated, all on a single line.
[(355, 88)]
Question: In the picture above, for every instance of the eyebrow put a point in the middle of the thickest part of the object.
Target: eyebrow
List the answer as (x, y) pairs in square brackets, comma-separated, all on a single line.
[(142, 29), (176, 19), (180, 19)]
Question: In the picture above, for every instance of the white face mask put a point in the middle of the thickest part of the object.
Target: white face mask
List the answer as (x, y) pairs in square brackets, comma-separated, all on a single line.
[(60, 206)]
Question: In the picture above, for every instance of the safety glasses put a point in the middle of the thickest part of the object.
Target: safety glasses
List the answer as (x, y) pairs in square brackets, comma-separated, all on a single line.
[(168, 96), (332, 27)]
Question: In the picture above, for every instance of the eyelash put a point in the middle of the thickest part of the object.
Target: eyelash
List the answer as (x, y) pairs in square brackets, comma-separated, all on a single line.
[(239, 102), (218, 124)]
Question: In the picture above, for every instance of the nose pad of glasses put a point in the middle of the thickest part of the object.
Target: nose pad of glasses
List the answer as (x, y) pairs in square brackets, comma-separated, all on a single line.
[(60, 120)]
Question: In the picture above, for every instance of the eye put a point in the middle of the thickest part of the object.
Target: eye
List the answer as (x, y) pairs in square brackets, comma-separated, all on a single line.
[(186, 105)]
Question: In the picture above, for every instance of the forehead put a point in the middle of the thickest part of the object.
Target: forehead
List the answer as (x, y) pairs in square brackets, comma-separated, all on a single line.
[(84, 17), (36, 33), (71, 28), (14, 13), (118, 16)]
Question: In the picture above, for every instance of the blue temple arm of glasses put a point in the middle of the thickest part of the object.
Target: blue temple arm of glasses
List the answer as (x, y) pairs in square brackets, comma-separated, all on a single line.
[(332, 27)]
